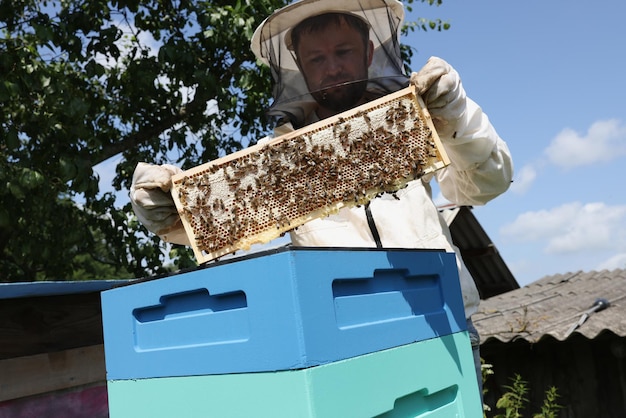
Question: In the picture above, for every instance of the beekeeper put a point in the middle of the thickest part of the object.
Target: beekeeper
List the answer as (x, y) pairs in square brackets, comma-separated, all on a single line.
[(327, 56)]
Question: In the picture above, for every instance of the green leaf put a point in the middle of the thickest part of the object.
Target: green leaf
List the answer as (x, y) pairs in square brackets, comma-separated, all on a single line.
[(16, 190), (12, 141), (68, 169), (5, 218), (31, 179)]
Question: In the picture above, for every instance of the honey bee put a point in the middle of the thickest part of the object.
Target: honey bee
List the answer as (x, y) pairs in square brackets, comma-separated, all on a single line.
[(187, 214), (365, 117)]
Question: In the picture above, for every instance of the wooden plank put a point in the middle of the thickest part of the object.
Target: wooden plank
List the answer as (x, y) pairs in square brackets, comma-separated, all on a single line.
[(257, 194), (41, 373), (80, 402)]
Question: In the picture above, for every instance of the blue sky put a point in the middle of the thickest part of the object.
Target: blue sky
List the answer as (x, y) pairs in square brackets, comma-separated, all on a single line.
[(551, 77)]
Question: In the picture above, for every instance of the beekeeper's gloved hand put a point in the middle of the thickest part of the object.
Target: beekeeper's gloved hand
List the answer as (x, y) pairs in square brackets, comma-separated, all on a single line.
[(153, 204), (440, 87)]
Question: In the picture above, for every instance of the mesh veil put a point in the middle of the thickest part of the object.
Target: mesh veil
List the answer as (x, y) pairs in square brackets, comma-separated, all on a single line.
[(292, 100)]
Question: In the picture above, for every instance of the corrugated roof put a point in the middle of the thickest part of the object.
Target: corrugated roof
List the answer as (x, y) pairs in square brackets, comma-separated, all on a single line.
[(491, 274), (552, 306)]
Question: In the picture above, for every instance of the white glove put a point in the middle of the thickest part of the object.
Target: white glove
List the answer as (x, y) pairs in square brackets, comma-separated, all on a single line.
[(153, 204), (440, 87)]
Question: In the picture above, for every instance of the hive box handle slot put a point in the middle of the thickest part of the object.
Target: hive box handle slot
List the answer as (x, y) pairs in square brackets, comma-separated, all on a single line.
[(191, 302), (201, 319), (391, 294), (420, 402)]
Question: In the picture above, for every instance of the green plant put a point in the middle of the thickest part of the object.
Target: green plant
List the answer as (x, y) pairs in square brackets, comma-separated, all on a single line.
[(550, 408), (514, 400)]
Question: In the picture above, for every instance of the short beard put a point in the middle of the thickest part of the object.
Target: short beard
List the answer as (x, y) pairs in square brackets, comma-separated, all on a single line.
[(341, 98)]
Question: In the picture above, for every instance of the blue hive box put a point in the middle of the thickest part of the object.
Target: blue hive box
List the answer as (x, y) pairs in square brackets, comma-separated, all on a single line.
[(290, 308), (428, 379)]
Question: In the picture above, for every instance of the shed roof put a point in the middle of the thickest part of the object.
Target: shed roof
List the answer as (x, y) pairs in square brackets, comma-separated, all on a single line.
[(483, 260), (52, 288), (556, 306)]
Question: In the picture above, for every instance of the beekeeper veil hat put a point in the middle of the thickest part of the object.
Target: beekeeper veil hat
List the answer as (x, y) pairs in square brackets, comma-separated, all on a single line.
[(271, 43)]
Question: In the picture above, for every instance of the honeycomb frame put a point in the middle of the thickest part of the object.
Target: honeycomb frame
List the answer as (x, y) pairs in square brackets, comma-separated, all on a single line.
[(257, 194)]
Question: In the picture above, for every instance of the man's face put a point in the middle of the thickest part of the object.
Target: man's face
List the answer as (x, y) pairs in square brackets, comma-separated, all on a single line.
[(331, 60)]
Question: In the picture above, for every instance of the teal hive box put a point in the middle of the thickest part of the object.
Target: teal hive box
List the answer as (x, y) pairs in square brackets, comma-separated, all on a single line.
[(429, 379), (280, 310)]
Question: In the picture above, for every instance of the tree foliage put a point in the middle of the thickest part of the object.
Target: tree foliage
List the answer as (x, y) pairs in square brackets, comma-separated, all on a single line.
[(82, 82)]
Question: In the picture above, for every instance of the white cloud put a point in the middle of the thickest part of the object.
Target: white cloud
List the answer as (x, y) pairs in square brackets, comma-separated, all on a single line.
[(571, 227), (605, 141), (618, 261), (524, 179)]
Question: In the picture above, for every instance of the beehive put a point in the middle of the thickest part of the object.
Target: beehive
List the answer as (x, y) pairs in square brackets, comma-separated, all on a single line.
[(257, 194)]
